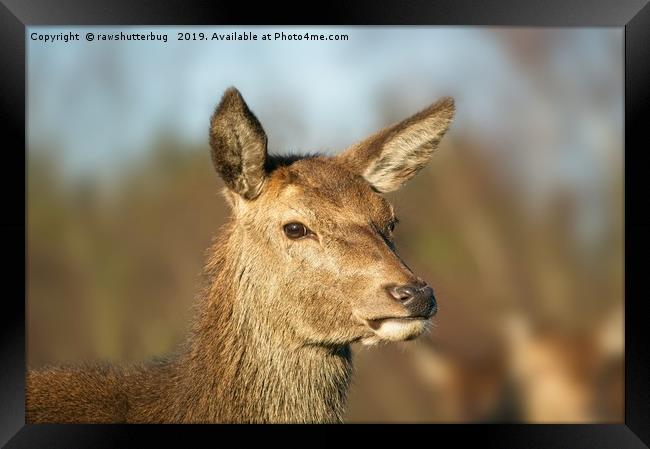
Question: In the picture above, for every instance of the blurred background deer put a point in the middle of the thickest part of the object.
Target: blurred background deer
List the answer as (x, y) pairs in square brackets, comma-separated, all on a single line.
[(517, 222)]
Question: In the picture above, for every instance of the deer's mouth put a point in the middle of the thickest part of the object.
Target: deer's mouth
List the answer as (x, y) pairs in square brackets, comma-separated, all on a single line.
[(396, 328)]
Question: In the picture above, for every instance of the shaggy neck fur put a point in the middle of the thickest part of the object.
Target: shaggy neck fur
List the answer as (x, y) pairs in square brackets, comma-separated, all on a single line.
[(236, 367)]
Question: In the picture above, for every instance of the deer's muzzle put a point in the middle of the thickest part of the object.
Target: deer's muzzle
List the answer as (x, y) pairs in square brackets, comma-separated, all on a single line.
[(418, 300)]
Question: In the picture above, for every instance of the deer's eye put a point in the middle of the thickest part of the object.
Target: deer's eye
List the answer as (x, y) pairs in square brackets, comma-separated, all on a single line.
[(296, 230)]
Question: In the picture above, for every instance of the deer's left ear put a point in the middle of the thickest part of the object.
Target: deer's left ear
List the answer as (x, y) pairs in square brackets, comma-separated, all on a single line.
[(395, 154), (238, 144)]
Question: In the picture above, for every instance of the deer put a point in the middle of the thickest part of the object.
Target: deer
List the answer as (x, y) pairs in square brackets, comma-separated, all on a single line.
[(305, 267)]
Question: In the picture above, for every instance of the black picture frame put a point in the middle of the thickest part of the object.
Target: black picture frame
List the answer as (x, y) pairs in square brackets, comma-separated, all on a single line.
[(632, 15)]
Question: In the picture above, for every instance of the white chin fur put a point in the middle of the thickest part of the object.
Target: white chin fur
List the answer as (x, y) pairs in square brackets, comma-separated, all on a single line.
[(396, 330)]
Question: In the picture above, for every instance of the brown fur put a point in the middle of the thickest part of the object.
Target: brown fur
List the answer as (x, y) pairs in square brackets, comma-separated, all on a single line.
[(275, 319)]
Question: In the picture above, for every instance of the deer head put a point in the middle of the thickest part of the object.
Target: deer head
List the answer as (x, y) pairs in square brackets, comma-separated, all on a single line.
[(315, 235)]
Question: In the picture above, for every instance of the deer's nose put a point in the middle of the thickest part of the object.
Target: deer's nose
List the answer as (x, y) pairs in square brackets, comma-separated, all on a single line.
[(418, 299)]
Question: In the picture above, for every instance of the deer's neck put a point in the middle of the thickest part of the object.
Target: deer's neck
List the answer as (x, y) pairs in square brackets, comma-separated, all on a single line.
[(238, 367)]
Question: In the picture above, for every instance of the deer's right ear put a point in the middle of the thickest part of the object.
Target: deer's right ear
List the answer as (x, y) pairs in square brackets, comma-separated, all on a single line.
[(392, 156), (238, 144)]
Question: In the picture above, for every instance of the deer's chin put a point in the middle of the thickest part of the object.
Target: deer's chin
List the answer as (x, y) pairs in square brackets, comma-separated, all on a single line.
[(395, 329)]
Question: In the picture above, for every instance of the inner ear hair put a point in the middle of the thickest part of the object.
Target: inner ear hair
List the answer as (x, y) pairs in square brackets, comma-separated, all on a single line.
[(238, 145), (392, 156)]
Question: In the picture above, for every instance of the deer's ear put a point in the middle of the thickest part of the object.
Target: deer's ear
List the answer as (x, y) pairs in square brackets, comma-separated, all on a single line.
[(238, 144), (395, 154)]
